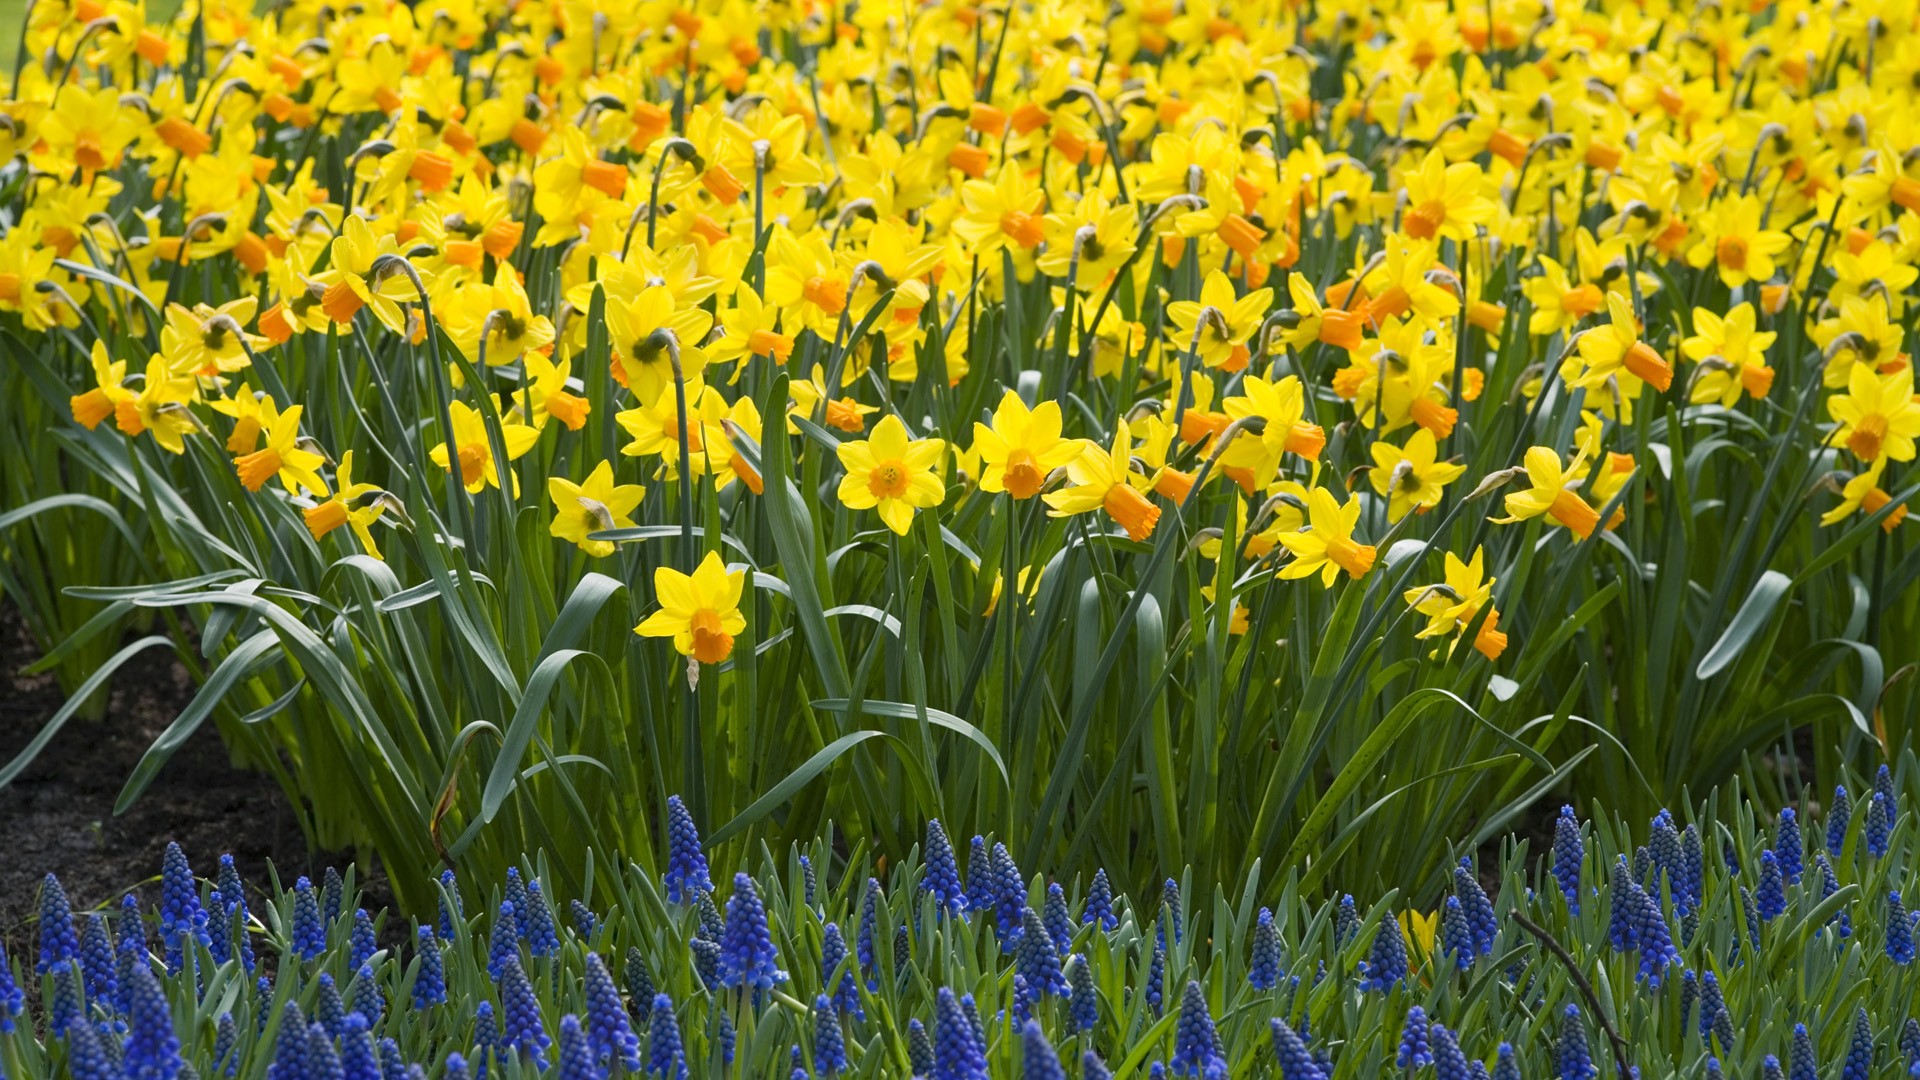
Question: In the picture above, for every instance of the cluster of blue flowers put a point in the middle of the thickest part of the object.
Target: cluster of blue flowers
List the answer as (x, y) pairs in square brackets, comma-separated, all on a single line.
[(993, 975)]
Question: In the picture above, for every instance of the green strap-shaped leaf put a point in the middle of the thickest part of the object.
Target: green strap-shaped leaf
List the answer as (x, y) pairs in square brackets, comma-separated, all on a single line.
[(1747, 622), (98, 679), (224, 678), (939, 718)]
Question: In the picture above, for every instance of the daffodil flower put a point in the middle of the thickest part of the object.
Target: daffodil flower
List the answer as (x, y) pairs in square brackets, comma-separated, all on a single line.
[(593, 505), (699, 611), (1102, 479), (1327, 545), (1022, 447), (892, 474)]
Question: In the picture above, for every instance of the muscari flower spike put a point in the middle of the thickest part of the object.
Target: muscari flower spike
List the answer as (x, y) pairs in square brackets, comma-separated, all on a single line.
[(1663, 848), (1879, 823), (1092, 1068), (982, 889), (451, 909), (1099, 905), (1505, 1066), (1346, 921), (919, 1049), (322, 1060), (1770, 1069), (1038, 1060), (514, 892), (58, 941), (332, 895), (1801, 1063), (1387, 961), (363, 942), (486, 1039), (523, 1030), (1296, 1061), (430, 982), (1010, 897), (1712, 1004), (1456, 937), (359, 1059), (1477, 907), (724, 1035), (392, 1065), (226, 1038), (152, 1048), (869, 922), (585, 922), (958, 1053), (576, 1058), (1899, 931), (846, 992), (1830, 884), (68, 1008), (829, 1045), (1416, 1050), (1883, 785), (1156, 978), (1771, 897), (941, 877), (1650, 930), (329, 1008), (536, 922), (96, 962), (86, 1057), (1196, 1044), (747, 956), (505, 943), (1859, 1063), (309, 929), (1083, 1001), (1448, 1062), (1170, 909), (1035, 958), (608, 1032), (808, 883), (1839, 816), (1788, 846), (1568, 852), (1693, 869), (1059, 918), (1570, 1054), (1263, 972)]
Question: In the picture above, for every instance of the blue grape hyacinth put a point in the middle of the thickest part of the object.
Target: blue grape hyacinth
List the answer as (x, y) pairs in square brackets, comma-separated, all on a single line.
[(1571, 1055), (1264, 971), (608, 1032), (687, 872), (1416, 1050), (1196, 1044), (1099, 905), (1899, 931), (747, 955), (1387, 962), (1788, 846), (829, 1045), (665, 1056), (309, 929), (1568, 852), (1839, 816), (940, 877), (58, 940)]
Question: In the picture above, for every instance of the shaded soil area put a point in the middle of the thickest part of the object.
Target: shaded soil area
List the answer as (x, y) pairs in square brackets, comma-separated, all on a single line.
[(58, 815)]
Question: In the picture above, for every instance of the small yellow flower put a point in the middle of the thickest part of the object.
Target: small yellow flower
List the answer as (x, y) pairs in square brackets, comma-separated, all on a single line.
[(1327, 544), (699, 611), (1550, 491), (1615, 351), (593, 505), (282, 456), (1452, 605), (337, 509), (1863, 493), (477, 471), (1411, 478), (1878, 416), (1732, 355), (892, 473), (97, 404), (1103, 480), (1022, 447)]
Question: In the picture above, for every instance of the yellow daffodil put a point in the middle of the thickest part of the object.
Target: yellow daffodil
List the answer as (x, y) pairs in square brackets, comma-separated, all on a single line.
[(596, 504), (1877, 415), (699, 611), (1410, 477), (1550, 491), (1326, 544), (1022, 447), (337, 509), (1452, 605), (475, 451), (282, 456), (891, 473), (1102, 479)]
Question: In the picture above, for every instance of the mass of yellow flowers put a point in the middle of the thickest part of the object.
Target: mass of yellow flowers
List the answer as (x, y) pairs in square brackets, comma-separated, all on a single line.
[(1278, 285)]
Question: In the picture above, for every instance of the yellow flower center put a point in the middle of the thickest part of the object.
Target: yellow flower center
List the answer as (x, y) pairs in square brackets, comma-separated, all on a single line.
[(1131, 509), (888, 480), (1732, 252), (1423, 221), (1355, 559), (711, 644), (326, 517), (1867, 435), (257, 467), (1023, 476), (473, 463)]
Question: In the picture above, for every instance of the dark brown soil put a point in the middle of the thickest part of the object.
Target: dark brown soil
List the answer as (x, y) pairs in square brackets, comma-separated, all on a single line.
[(58, 816)]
